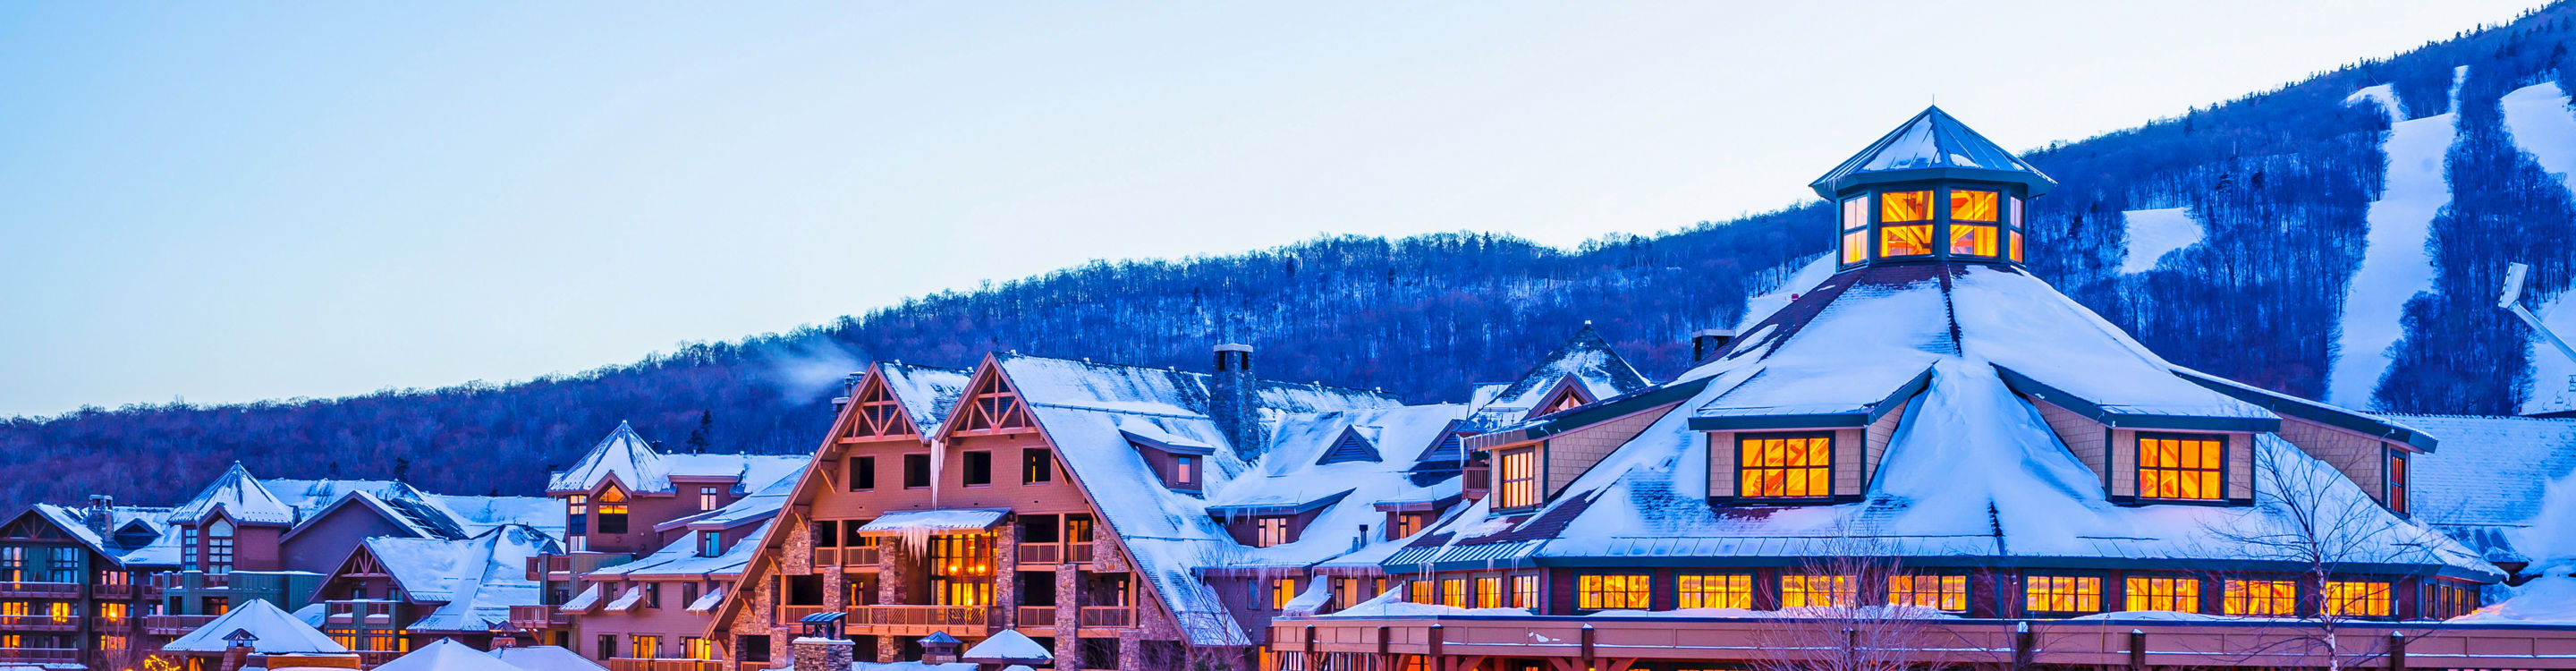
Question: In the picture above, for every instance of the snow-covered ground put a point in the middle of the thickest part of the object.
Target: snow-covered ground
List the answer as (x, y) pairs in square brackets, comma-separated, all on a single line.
[(2396, 264), (2544, 126), (2153, 233)]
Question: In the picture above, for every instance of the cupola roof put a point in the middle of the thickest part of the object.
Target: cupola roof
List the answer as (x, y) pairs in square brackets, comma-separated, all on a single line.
[(1932, 145)]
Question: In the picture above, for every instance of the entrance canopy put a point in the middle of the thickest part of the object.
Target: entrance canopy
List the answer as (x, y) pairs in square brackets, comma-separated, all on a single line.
[(912, 522)]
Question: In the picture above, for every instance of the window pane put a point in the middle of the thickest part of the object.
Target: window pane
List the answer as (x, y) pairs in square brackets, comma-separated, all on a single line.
[(1856, 213), (2177, 467), (1972, 205), (1855, 246), (2016, 246), (1894, 241), (1971, 239), (1905, 206)]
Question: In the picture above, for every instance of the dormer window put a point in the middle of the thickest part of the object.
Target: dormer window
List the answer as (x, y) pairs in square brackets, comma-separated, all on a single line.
[(1785, 465), (1177, 459), (1270, 531), (710, 543), (1518, 485), (1351, 447), (1185, 471), (612, 510), (2182, 467)]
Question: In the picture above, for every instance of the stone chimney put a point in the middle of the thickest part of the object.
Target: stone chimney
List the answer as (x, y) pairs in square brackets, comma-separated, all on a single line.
[(1706, 343), (99, 516), (849, 387), (1231, 403), (938, 648), (814, 653)]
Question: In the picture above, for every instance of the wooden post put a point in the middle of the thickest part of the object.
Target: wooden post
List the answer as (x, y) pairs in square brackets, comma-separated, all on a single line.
[(2137, 650), (1587, 646), (2021, 645), (1438, 661), (2396, 651)]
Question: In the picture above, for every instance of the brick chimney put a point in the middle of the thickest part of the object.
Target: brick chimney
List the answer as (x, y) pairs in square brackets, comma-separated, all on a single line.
[(1706, 343), (99, 515), (1231, 405)]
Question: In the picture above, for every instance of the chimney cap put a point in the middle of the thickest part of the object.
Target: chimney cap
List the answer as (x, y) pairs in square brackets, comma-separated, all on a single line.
[(1233, 347), (1722, 333)]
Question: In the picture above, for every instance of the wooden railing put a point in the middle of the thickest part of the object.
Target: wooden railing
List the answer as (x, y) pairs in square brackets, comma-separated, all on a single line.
[(1077, 553), (1036, 616), (116, 591), (862, 555), (633, 664), (538, 617), (40, 654), (358, 612), (42, 590), (899, 619), (1041, 554), (1108, 616), (38, 623), (788, 615), (173, 625)]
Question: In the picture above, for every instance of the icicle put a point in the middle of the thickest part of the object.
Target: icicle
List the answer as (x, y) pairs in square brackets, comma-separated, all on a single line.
[(938, 461)]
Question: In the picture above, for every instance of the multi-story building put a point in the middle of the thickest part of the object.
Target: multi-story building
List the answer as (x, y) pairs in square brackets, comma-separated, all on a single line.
[(638, 524), (75, 583), (394, 594)]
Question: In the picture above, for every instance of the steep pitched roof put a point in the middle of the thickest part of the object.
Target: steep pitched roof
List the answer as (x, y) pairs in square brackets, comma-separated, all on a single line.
[(624, 455), (278, 631), (1292, 476), (240, 496), (447, 655), (1932, 145), (476, 580), (2493, 479), (162, 550), (926, 392), (1585, 360)]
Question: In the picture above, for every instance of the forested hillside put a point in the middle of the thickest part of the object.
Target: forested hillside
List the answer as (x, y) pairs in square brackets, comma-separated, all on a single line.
[(2281, 189)]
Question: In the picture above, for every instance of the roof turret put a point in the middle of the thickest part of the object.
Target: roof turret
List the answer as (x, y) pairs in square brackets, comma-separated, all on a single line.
[(1932, 145)]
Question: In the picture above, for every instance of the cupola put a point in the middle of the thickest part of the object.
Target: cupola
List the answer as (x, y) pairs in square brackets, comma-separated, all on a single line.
[(1931, 190)]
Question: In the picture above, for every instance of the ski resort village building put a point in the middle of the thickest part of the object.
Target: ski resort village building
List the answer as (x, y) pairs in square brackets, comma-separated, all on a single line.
[(1919, 456)]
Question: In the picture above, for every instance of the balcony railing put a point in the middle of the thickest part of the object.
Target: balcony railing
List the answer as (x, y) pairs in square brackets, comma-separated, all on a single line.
[(860, 555), (1041, 554), (1077, 553), (39, 623), (354, 612), (538, 617), (1108, 616), (789, 614), (543, 567), (40, 654), (173, 625), (632, 664), (116, 591), (192, 580), (920, 620), (1036, 617), (41, 590)]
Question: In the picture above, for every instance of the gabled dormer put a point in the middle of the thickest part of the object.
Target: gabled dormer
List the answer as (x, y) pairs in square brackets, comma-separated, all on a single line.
[(876, 413), (1181, 461), (1583, 370), (1567, 394), (1357, 443)]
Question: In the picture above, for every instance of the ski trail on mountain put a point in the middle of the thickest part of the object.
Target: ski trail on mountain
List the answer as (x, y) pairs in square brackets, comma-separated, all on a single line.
[(2543, 126), (2396, 264)]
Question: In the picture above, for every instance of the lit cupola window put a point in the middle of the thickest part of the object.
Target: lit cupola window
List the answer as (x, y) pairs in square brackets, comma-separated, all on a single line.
[(1932, 190)]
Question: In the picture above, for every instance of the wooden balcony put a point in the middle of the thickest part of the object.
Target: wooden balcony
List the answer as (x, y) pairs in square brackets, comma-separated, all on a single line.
[(358, 613), (1036, 617), (789, 615), (63, 655), (119, 591), (563, 567), (968, 621), (174, 625), (39, 623), (533, 618), (192, 580), (1114, 617), (864, 556), (632, 664), (40, 590)]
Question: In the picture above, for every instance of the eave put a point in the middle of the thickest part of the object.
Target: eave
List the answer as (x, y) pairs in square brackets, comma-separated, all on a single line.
[(2114, 417), (2314, 412)]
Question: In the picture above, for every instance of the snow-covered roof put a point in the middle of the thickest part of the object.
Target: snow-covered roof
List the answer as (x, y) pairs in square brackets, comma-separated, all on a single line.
[(546, 658), (161, 550), (477, 514), (1931, 145), (2492, 480), (239, 496), (447, 655), (278, 631), (759, 506), (680, 559), (1290, 478), (1972, 472), (926, 392), (1586, 361), (905, 522), (1007, 647), (632, 461), (1089, 410), (476, 580)]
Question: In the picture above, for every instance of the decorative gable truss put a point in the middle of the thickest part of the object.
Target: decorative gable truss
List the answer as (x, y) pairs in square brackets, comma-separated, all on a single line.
[(1568, 394), (877, 414), (991, 407)]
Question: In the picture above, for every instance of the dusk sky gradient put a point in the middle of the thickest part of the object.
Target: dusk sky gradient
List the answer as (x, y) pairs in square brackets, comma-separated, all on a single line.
[(227, 202)]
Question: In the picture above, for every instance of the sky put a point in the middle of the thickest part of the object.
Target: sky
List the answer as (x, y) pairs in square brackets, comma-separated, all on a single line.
[(223, 202)]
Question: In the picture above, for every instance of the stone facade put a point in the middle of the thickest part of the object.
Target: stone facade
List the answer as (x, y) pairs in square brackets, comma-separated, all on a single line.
[(822, 654), (890, 581), (1006, 573), (1068, 617)]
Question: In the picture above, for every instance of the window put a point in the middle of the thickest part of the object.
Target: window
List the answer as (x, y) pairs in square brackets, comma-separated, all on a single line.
[(1966, 205), (863, 473), (60, 612), (653, 595), (607, 646), (1269, 531), (1520, 479), (1419, 591), (216, 605), (2261, 597), (698, 648), (1489, 592), (646, 647), (1346, 592), (1525, 591), (754, 648), (380, 640), (576, 515), (1185, 470), (612, 511), (348, 638), (708, 499), (1077, 528), (1615, 591), (1803, 591), (2445, 599), (2013, 217), (63, 565), (979, 468), (961, 569), (1405, 524), (688, 594), (219, 547), (1453, 592), (114, 612), (1715, 590), (2180, 595), (1906, 240), (1785, 465), (1947, 593), (2396, 483), (13, 562), (916, 471), (1282, 591), (1037, 465), (2181, 466), (1855, 230), (2357, 599), (2062, 594)]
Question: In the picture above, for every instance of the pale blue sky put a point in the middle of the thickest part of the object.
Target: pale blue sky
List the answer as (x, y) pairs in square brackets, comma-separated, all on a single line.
[(233, 201)]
